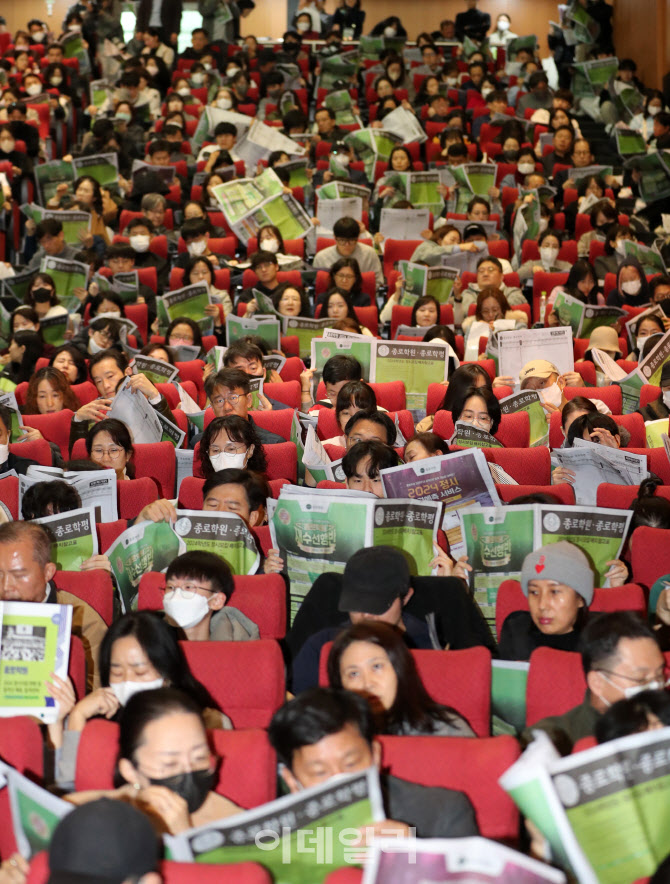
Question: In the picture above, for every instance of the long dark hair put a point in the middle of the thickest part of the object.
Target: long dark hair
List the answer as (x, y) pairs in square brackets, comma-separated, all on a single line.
[(488, 398), (648, 509), (120, 435), (77, 357), (23, 371), (412, 707), (159, 643), (58, 382), (239, 431), (191, 323), (351, 313), (578, 272)]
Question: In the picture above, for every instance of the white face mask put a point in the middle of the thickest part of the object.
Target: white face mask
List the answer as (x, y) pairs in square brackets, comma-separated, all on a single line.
[(223, 461), (207, 66), (631, 288), (124, 690), (153, 70), (620, 247), (452, 81), (503, 25), (198, 78), (56, 80), (75, 29), (390, 31), (94, 348), (666, 402), (34, 89), (38, 36), (270, 245), (551, 395), (184, 91), (548, 255), (654, 109), (224, 103), (231, 71), (302, 26), (139, 243), (526, 168), (634, 689), (185, 612), (544, 223), (4, 452), (486, 91), (197, 247), (341, 160)]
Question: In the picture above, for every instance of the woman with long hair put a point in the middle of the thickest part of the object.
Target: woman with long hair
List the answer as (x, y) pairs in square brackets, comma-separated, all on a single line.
[(230, 442)]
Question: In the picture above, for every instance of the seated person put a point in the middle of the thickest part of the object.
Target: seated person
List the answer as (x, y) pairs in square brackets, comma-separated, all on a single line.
[(140, 232), (342, 157), (347, 231), (51, 241), (326, 732), (120, 258), (549, 243), (198, 585), (230, 442), (110, 447), (25, 550), (489, 275), (370, 425), (353, 397), (558, 582), (195, 233), (372, 659), (445, 240), (8, 460), (620, 658), (326, 129), (225, 135), (491, 305), (108, 369), (248, 357), (543, 377), (229, 393), (337, 371), (659, 408), (266, 266)]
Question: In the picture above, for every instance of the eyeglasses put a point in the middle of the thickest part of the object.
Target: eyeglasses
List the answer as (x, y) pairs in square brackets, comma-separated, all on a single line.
[(345, 276), (230, 450), (233, 398), (187, 591), (112, 452), (660, 675), (471, 417)]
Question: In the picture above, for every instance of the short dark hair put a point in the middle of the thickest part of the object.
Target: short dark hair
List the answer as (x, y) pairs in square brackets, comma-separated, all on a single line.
[(230, 378), (263, 257), (255, 485), (375, 417), (492, 260), (328, 110), (6, 418), (346, 228), (225, 129), (120, 358), (194, 227), (342, 368), (315, 714), (49, 498), (362, 395), (382, 457), (241, 349), (140, 222), (600, 639), (48, 227), (198, 564), (119, 250), (589, 422)]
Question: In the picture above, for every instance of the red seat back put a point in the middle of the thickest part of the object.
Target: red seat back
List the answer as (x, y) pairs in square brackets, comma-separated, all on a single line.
[(9, 495), (54, 427), (564, 493), (527, 466), (134, 495), (250, 702), (470, 766), (155, 460), (555, 684), (93, 587), (611, 395), (37, 449), (649, 555)]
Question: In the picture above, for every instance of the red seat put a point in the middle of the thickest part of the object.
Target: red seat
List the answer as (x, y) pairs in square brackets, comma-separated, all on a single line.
[(611, 395), (291, 246), (93, 587), (224, 668), (470, 766), (513, 432), (262, 597), (219, 246), (221, 278), (657, 461), (530, 250), (139, 314), (390, 394), (247, 774), (127, 216), (282, 460), (192, 372), (398, 250), (564, 492), (54, 427), (527, 466), (292, 369), (403, 316), (226, 873), (369, 286), (21, 746), (545, 282), (628, 597), (460, 679), (556, 683), (587, 372), (38, 450), (649, 555), (9, 495), (134, 495), (287, 393), (155, 460), (85, 392), (620, 497)]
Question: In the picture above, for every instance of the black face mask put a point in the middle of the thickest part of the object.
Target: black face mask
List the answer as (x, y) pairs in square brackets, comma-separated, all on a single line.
[(511, 156), (41, 295), (193, 786)]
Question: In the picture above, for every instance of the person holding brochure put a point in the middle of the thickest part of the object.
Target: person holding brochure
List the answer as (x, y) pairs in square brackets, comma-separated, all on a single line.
[(620, 658), (492, 305), (364, 460), (324, 732), (229, 392), (347, 231), (110, 447), (659, 408), (9, 460), (558, 582), (26, 575), (372, 659), (230, 442), (632, 289), (337, 372), (51, 241), (165, 763)]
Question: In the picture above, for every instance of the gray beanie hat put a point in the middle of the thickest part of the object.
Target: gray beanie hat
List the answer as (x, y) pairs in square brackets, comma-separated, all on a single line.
[(562, 561)]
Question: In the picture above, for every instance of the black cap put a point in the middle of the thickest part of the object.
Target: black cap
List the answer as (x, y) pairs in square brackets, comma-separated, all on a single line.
[(373, 579), (103, 842), (473, 230)]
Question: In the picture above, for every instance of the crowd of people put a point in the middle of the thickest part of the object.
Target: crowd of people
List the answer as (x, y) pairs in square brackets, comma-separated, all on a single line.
[(478, 92)]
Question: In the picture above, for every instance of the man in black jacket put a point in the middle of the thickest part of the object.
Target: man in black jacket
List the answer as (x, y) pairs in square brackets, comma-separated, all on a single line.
[(473, 24), (165, 15), (326, 732), (9, 461)]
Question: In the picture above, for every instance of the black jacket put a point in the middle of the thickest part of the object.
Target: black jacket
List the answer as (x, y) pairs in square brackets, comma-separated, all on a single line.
[(170, 15), (18, 464), (434, 812), (519, 637)]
